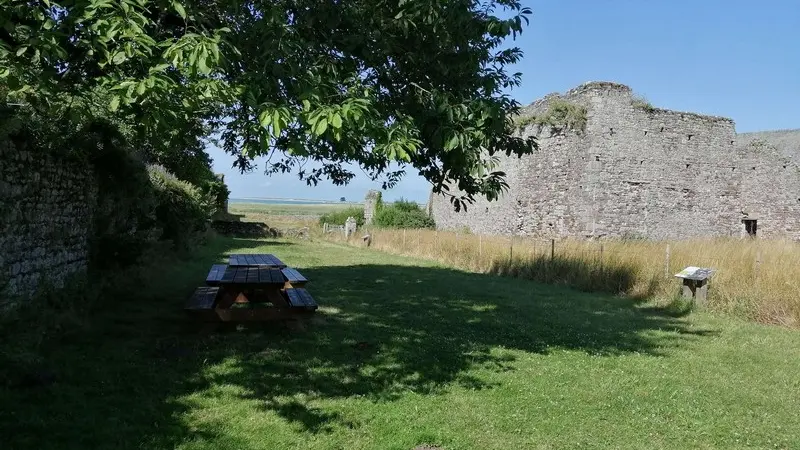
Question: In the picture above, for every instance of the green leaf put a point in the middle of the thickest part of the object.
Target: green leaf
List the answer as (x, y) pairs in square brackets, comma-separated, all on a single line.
[(306, 105), (119, 58), (336, 121), (114, 103), (201, 65), (159, 68), (179, 9), (276, 123), (265, 118), (452, 143), (22, 50), (322, 125)]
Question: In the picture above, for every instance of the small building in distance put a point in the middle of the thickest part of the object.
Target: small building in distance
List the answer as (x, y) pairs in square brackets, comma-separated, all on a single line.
[(609, 164)]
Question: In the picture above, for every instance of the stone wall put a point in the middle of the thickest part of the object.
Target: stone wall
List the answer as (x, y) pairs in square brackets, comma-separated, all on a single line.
[(636, 171), (45, 220), (786, 141), (370, 203)]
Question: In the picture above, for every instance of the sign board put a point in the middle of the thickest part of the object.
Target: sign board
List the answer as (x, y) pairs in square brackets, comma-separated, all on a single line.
[(695, 273)]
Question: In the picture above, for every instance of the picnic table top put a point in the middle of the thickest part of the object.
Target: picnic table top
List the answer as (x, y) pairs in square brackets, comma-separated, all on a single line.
[(262, 275), (256, 259)]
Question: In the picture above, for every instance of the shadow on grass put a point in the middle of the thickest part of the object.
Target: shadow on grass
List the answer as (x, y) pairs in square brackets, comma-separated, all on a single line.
[(383, 331)]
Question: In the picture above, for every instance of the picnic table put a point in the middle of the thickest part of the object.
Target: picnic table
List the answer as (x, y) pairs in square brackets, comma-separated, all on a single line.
[(251, 287)]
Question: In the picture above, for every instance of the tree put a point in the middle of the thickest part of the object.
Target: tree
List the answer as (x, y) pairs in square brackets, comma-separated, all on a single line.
[(363, 81)]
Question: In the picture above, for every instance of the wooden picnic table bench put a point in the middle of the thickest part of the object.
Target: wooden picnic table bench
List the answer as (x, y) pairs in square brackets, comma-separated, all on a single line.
[(215, 274), (255, 260), (267, 288)]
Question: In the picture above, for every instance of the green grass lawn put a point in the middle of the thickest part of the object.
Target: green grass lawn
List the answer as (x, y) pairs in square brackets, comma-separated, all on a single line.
[(404, 353)]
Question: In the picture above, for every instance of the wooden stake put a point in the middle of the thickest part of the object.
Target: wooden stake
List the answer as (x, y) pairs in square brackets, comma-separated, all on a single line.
[(666, 263), (552, 249), (601, 258), (758, 263)]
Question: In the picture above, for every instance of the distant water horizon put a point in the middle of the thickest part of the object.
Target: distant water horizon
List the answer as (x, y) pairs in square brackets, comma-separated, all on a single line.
[(287, 201)]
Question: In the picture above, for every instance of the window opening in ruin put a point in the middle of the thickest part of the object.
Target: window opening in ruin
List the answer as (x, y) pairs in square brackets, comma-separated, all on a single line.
[(690, 137), (750, 226), (611, 131), (754, 168), (645, 132), (784, 167), (641, 162), (662, 129), (687, 166), (597, 157)]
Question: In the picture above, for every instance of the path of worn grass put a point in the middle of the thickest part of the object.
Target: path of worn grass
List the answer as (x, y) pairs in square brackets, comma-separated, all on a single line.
[(405, 353)]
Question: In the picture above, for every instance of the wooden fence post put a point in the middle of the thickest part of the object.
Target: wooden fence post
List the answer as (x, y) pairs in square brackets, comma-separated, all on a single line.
[(552, 249), (758, 265), (601, 257), (666, 263), (511, 249)]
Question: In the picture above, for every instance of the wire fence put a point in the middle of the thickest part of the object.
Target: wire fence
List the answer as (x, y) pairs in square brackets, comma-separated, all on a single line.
[(752, 277), (665, 254)]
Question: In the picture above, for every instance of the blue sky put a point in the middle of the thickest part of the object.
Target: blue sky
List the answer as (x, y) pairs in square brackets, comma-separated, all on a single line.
[(732, 58)]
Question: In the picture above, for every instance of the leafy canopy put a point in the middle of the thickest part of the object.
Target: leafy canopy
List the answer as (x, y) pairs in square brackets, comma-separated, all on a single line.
[(420, 83)]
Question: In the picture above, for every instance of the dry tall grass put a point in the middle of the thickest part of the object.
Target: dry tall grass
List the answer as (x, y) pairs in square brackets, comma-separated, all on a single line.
[(755, 279)]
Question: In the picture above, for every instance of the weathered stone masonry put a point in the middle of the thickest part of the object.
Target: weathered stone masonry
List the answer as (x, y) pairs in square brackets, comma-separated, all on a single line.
[(638, 171), (45, 220)]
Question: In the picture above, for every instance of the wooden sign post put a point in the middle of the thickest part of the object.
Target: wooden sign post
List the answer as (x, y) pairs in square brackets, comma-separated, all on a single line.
[(695, 283)]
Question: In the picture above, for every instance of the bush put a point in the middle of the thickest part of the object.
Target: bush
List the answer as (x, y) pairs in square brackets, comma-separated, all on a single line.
[(340, 217), (123, 221), (181, 209), (216, 193), (402, 214)]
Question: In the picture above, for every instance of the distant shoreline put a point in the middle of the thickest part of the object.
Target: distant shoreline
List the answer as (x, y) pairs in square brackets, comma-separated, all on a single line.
[(289, 201)]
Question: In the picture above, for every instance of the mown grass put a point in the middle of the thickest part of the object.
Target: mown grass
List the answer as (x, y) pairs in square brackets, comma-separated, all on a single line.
[(405, 352), (756, 279)]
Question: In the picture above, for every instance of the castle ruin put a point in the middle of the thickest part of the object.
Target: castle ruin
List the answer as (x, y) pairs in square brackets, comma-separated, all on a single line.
[(611, 165)]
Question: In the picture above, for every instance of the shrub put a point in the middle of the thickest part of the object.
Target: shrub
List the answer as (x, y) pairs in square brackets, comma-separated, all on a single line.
[(402, 214), (123, 221), (642, 103), (339, 217), (181, 209), (562, 114), (216, 193)]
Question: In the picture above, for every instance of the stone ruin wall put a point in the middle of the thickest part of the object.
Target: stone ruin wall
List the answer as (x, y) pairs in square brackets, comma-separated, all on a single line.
[(45, 220), (370, 203), (637, 171)]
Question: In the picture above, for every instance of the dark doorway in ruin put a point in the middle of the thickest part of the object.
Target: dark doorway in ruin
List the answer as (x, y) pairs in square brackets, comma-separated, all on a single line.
[(750, 226)]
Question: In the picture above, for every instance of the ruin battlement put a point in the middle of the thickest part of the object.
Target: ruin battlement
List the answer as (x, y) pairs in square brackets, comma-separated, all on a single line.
[(633, 169)]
